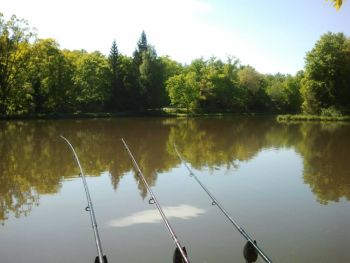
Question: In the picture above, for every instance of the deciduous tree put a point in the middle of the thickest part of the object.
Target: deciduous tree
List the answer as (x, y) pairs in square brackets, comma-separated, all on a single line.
[(15, 36), (327, 79), (50, 76), (91, 81), (184, 90)]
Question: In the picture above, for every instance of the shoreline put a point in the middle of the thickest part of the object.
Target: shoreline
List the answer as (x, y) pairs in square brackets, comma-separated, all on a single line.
[(286, 118), (172, 112), (165, 112)]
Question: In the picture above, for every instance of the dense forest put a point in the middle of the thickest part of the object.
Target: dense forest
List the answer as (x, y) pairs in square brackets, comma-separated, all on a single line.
[(38, 77)]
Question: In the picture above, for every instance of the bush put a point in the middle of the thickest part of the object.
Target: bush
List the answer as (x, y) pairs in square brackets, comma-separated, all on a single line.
[(330, 112)]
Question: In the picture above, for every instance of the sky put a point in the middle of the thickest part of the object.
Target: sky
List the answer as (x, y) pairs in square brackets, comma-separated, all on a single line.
[(272, 35)]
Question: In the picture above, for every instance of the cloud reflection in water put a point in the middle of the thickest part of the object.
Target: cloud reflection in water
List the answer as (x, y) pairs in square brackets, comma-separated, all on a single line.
[(152, 216)]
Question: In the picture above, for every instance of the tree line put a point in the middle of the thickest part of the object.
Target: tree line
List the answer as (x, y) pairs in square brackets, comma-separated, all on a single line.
[(37, 76)]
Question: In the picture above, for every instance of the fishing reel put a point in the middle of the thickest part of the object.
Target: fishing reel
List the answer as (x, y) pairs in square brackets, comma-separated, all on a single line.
[(249, 252), (177, 257), (97, 260)]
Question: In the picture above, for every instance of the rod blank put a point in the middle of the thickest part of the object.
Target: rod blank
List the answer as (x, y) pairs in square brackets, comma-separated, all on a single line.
[(89, 208), (155, 201), (229, 217)]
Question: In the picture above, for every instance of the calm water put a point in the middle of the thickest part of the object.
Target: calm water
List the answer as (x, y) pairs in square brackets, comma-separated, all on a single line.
[(288, 186)]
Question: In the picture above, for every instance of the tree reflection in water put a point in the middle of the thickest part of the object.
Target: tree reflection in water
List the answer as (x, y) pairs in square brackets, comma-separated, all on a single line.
[(34, 161)]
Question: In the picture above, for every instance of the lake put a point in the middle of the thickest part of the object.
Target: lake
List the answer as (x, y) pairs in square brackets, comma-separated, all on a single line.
[(287, 185)]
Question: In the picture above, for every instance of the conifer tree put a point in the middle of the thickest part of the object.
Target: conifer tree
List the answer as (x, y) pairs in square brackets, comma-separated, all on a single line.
[(115, 78), (142, 47), (139, 92), (142, 44), (113, 57)]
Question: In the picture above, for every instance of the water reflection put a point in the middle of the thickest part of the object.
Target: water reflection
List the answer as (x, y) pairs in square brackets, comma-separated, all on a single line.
[(325, 150), (34, 161), (152, 216)]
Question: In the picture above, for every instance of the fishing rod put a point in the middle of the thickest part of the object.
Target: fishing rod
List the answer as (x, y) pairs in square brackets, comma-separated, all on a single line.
[(180, 251), (100, 257), (251, 247)]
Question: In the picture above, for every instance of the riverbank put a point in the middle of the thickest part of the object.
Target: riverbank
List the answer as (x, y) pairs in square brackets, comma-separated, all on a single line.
[(174, 112), (54, 116), (163, 112), (301, 117)]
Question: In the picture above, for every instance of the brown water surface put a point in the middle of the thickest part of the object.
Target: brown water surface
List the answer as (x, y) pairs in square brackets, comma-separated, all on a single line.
[(288, 186)]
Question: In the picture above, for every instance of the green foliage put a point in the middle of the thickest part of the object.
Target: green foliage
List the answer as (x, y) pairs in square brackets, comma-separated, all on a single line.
[(217, 82), (116, 89), (331, 111), (38, 77), (170, 67), (113, 57), (329, 116), (15, 37), (151, 79), (91, 81), (184, 90), (147, 77), (142, 44), (50, 76), (250, 79), (284, 92), (139, 84), (232, 95), (216, 86), (327, 79), (252, 83)]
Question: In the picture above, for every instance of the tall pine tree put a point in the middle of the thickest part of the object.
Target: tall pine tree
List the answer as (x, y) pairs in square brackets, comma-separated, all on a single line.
[(142, 44), (142, 47), (116, 83), (113, 57), (148, 87), (139, 100)]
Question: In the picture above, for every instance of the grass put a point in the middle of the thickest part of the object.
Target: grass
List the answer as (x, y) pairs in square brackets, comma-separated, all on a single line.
[(303, 117), (183, 112)]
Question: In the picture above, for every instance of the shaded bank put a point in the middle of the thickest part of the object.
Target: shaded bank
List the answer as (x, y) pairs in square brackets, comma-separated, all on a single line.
[(162, 112), (319, 118)]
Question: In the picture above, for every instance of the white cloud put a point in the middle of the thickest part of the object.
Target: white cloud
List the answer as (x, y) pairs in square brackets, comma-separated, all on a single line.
[(153, 216)]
